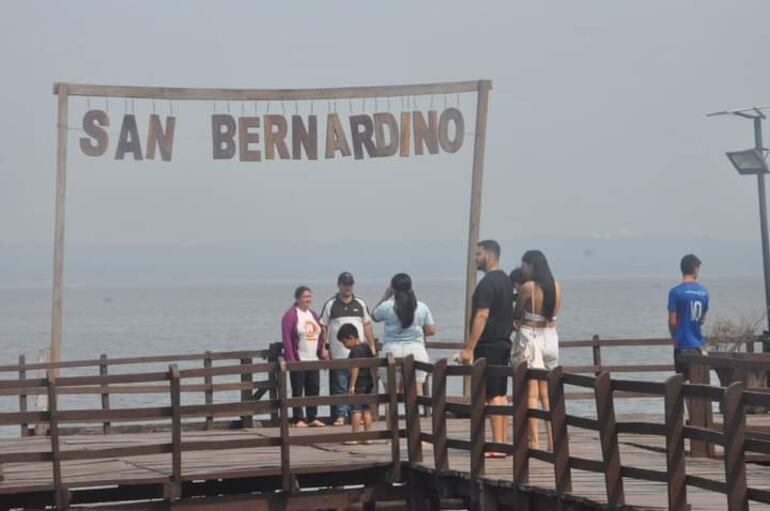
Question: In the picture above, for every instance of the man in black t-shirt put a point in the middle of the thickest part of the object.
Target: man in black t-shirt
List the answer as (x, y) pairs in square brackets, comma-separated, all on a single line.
[(492, 325)]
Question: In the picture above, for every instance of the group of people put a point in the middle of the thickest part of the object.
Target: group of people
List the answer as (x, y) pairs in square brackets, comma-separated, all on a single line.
[(513, 319), (345, 323)]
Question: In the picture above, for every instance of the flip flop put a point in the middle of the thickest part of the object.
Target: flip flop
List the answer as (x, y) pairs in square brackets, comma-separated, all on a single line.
[(350, 442), (317, 424), (339, 422), (495, 455), (300, 424)]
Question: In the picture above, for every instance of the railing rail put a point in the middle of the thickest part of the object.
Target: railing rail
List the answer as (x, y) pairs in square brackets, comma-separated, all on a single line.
[(733, 438)]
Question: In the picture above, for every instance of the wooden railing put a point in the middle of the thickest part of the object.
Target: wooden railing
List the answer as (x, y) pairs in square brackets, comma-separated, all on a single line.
[(732, 437)]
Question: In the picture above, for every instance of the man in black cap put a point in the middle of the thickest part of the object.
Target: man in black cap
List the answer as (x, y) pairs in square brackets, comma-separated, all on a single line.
[(343, 308)]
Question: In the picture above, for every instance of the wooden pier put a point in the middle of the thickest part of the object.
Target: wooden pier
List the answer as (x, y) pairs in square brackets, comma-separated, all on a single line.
[(189, 456)]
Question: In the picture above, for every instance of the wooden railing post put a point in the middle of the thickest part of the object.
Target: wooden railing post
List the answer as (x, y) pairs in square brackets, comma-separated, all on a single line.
[(477, 429), (700, 411), (273, 356), (395, 450), (597, 354), (61, 495), (438, 413), (175, 484), (23, 399), (208, 394), (562, 471), (106, 427), (608, 436), (247, 421), (674, 423), (520, 424), (283, 417), (734, 432), (414, 444)]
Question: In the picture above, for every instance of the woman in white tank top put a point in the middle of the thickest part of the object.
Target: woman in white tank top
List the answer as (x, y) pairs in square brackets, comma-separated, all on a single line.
[(537, 341)]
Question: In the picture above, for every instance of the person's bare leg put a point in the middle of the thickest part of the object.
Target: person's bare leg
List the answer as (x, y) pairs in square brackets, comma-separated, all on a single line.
[(545, 401), (355, 422), (498, 421), (532, 402)]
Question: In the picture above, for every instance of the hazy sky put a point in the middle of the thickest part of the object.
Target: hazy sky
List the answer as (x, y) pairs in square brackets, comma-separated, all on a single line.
[(596, 124)]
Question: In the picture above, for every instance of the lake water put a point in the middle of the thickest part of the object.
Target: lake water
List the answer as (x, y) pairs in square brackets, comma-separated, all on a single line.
[(129, 321)]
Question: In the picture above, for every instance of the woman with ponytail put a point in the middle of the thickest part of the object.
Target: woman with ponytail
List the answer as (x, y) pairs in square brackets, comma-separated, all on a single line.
[(537, 342), (407, 322)]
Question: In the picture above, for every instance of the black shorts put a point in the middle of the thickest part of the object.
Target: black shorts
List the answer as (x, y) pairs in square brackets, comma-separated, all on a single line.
[(679, 365), (497, 354), (362, 407)]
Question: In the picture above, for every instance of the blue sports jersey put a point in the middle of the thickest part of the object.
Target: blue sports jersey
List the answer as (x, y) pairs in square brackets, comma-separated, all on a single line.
[(690, 301)]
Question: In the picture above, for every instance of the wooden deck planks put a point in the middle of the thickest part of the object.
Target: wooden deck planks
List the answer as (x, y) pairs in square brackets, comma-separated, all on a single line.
[(635, 450)]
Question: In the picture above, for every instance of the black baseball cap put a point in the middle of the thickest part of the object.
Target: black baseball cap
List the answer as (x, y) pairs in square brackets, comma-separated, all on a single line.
[(345, 278)]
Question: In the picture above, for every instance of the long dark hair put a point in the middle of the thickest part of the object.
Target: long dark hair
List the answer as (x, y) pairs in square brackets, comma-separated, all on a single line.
[(541, 274), (406, 301)]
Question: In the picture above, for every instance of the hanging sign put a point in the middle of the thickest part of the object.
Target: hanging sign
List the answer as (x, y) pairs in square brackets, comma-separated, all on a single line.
[(270, 137)]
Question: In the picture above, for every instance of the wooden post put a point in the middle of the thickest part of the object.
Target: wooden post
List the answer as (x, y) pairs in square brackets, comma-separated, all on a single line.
[(273, 390), (283, 395), (395, 450), (106, 427), (734, 433), (23, 399), (414, 444), (562, 472), (60, 492), (477, 429), (58, 253), (608, 436), (597, 353), (482, 104), (438, 414), (700, 411), (247, 421), (674, 423), (175, 484), (520, 424), (208, 394)]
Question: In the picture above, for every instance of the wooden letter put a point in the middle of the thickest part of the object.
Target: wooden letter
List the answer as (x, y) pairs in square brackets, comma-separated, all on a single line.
[(406, 125), (335, 137), (93, 121), (363, 138), (223, 139), (448, 115), (245, 137), (128, 142), (276, 139), (380, 122), (304, 137), (425, 133), (157, 137)]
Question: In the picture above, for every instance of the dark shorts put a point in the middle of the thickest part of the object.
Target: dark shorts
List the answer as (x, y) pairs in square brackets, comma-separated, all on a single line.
[(362, 407), (497, 354), (679, 365)]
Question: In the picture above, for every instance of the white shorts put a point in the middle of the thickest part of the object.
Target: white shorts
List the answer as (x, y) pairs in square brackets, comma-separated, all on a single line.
[(403, 350), (538, 346)]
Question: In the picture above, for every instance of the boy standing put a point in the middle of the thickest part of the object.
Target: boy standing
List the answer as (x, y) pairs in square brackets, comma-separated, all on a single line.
[(688, 304), (360, 379)]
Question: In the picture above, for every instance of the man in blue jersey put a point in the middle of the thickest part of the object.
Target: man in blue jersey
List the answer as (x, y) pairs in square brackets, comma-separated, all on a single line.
[(688, 304)]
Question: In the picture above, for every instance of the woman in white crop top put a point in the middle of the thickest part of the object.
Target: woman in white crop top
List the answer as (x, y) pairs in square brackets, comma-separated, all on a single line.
[(537, 341)]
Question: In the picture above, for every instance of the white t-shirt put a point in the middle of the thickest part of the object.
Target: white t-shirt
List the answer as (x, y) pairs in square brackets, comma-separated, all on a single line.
[(308, 331), (336, 313)]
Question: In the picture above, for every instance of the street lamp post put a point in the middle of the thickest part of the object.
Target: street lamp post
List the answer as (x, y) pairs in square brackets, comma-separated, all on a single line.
[(752, 161)]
